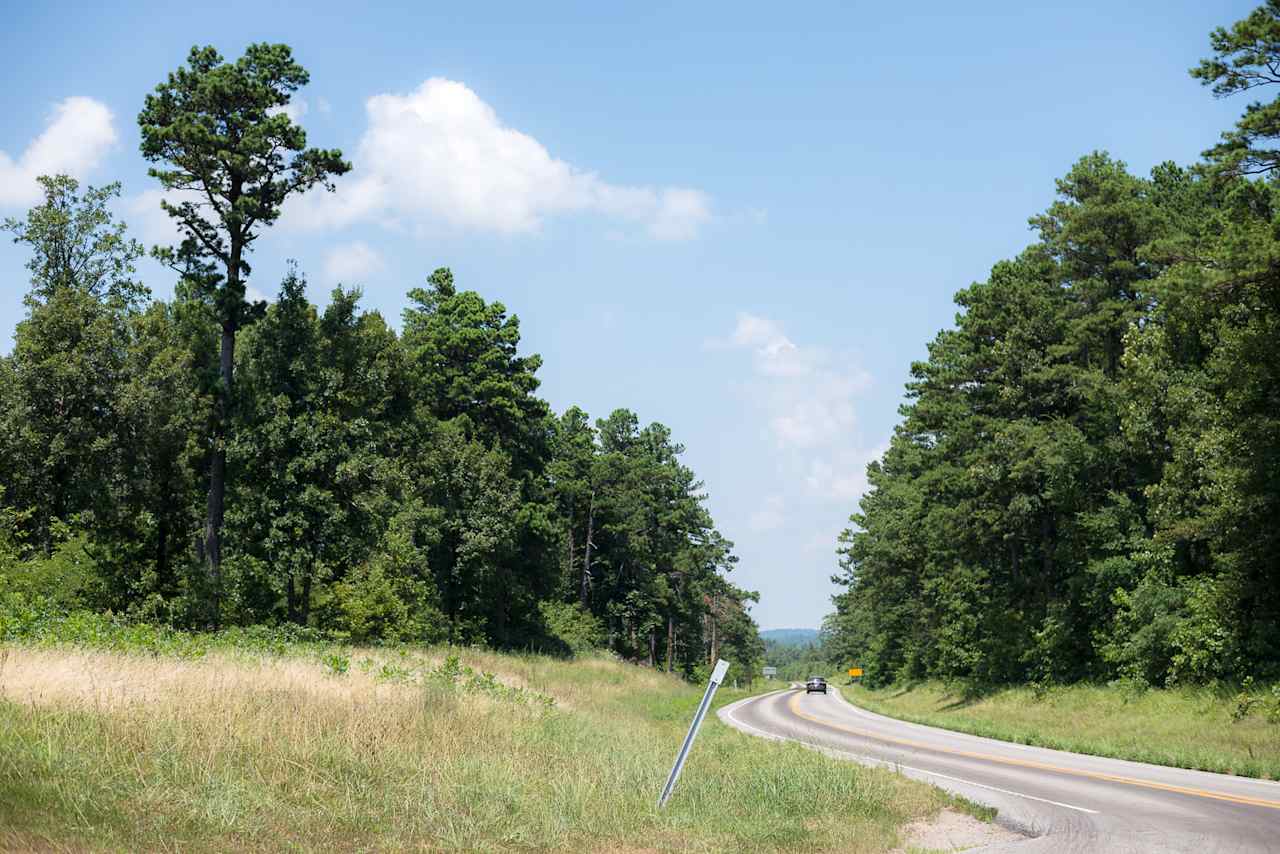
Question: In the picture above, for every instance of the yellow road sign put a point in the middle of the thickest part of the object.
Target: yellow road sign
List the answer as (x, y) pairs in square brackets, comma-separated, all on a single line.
[(855, 671)]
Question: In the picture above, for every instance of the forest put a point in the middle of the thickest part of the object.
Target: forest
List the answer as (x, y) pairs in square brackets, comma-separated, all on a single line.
[(1085, 481), (206, 461)]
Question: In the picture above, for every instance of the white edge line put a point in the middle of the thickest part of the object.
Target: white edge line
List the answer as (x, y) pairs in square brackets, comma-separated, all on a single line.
[(728, 712)]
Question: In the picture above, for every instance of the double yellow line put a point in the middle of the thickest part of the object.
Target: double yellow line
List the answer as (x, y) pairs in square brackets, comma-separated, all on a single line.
[(794, 705)]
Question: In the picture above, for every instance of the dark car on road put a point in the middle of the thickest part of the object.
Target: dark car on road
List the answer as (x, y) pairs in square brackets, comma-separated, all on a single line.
[(815, 683)]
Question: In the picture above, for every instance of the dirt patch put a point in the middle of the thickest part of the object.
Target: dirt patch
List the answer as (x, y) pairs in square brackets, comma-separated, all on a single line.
[(953, 831)]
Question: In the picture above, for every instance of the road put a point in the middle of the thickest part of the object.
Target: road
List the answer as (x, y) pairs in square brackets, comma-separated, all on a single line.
[(1064, 801)]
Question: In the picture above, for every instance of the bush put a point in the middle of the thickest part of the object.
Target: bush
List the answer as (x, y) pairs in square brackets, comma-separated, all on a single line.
[(66, 579), (371, 604), (573, 627)]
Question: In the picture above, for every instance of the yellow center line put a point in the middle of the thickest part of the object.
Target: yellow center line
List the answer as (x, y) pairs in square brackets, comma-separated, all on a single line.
[(794, 705)]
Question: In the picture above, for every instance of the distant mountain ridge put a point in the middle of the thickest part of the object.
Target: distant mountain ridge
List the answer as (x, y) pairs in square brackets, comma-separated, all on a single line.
[(790, 637)]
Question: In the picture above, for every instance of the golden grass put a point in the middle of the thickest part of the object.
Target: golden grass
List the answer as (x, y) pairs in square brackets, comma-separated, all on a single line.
[(110, 751)]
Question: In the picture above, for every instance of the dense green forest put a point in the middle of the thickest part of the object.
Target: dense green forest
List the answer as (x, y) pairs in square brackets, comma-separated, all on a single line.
[(799, 659), (206, 461), (1085, 483)]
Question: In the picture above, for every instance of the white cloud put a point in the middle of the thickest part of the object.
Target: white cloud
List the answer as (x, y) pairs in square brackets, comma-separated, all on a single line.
[(351, 262), (148, 221), (79, 134), (807, 398), (769, 516), (441, 154), (843, 475), (252, 294), (295, 109)]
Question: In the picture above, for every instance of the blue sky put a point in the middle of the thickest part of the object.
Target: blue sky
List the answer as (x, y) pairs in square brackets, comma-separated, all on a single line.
[(741, 220)]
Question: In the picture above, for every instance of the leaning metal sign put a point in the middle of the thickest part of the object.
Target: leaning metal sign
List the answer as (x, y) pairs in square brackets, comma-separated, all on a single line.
[(716, 678)]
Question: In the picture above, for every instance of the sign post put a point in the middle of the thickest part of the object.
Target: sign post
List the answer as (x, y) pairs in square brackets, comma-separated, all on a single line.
[(717, 677), (855, 672)]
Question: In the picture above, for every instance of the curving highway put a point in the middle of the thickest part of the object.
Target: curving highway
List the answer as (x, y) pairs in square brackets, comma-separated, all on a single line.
[(1061, 801)]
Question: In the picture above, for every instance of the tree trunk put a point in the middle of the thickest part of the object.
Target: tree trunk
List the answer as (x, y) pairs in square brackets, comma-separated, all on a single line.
[(653, 648), (502, 628), (291, 598), (305, 604), (715, 652), (671, 641), (586, 549), (1046, 554), (162, 554), (571, 564), (218, 477)]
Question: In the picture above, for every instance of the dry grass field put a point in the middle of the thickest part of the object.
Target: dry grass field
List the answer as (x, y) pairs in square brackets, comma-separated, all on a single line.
[(403, 750)]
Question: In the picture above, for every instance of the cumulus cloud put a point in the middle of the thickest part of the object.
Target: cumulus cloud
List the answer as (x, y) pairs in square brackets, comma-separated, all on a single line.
[(807, 398), (441, 154), (351, 262), (295, 109), (843, 475), (79, 134), (148, 221)]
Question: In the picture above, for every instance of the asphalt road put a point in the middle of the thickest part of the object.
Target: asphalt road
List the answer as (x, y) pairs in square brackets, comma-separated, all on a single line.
[(1063, 801)]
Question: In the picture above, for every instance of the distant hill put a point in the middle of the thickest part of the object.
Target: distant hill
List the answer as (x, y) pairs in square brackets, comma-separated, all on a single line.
[(791, 637)]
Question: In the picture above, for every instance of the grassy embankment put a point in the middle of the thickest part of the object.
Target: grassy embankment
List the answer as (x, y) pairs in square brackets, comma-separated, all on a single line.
[(1209, 729), (314, 747)]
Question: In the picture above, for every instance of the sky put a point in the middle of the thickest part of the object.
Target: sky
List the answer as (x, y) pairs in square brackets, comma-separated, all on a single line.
[(740, 220)]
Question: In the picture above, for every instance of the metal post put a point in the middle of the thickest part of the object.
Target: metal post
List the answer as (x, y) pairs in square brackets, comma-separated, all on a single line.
[(717, 676)]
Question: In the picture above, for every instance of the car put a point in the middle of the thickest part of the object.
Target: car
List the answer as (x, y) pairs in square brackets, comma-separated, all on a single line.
[(815, 683)]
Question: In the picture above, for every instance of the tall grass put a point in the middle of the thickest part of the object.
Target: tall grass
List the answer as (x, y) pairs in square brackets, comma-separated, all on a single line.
[(1210, 729), (403, 750)]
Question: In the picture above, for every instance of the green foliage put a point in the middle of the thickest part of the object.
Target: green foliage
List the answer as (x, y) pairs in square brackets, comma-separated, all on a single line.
[(1245, 59), (370, 605), (455, 675), (368, 500), (336, 663), (800, 661), (1086, 479), (233, 156), (76, 244), (577, 629), (333, 475), (68, 578)]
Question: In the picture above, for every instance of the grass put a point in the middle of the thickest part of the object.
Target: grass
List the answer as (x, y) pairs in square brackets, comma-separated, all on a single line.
[(1202, 728), (347, 749)]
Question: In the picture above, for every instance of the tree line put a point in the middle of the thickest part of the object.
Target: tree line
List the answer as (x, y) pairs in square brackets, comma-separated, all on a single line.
[(798, 661), (1085, 482), (207, 461)]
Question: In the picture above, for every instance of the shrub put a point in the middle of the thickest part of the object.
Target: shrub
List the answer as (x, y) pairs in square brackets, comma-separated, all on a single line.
[(371, 604), (571, 626)]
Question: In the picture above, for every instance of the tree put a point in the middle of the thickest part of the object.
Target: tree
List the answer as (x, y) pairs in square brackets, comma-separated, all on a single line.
[(575, 475), (75, 243), (467, 366), (1246, 57), (222, 132), (61, 411), (309, 451)]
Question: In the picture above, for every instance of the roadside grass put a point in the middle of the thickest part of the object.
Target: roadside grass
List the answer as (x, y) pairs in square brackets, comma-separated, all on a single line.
[(319, 747), (1208, 729)]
